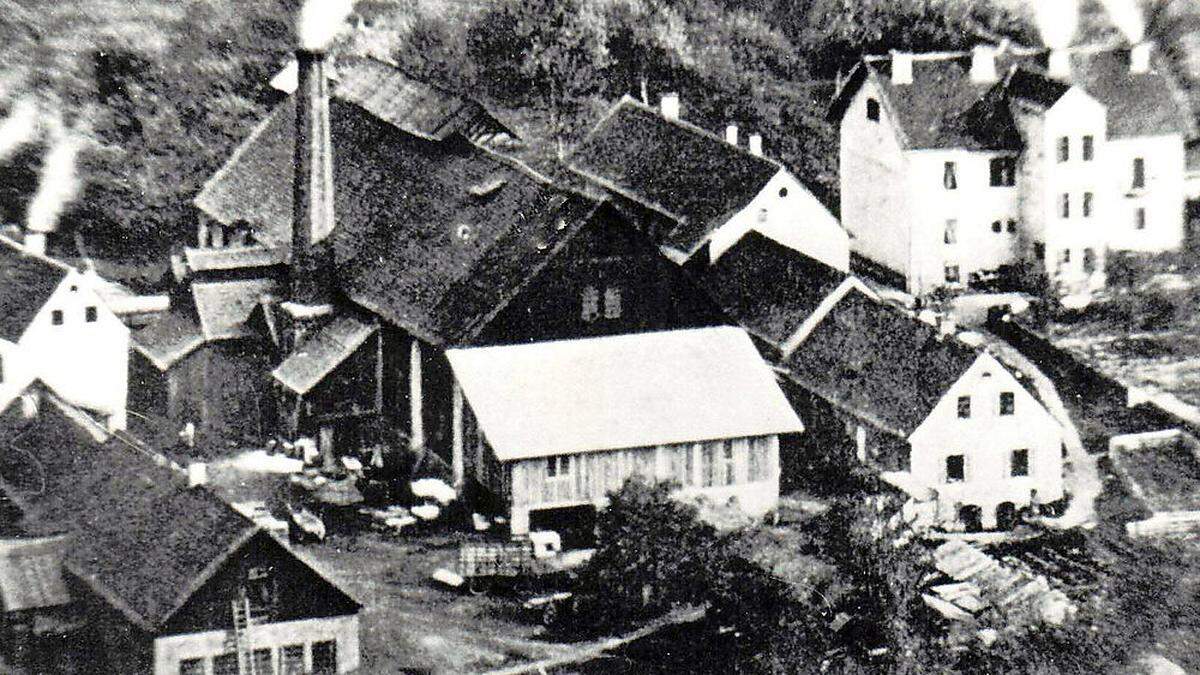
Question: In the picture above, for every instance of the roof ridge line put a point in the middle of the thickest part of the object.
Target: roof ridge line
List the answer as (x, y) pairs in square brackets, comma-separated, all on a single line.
[(41, 257), (696, 128)]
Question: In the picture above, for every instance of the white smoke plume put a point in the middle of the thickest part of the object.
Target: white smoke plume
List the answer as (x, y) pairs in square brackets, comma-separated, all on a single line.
[(321, 21), (1057, 21), (59, 182), (19, 128), (1127, 16)]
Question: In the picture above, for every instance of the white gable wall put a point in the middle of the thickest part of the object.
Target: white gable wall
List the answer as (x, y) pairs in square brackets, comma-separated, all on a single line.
[(1162, 197), (86, 363), (787, 212), (986, 440)]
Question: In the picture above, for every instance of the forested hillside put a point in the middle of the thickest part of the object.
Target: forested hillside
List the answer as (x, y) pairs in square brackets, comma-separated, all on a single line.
[(121, 108)]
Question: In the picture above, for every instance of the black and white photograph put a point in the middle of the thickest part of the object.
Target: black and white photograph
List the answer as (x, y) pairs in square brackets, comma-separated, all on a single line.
[(599, 337)]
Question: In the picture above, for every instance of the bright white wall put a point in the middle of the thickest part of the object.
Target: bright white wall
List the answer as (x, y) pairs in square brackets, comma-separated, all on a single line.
[(986, 439), (170, 650), (1163, 196)]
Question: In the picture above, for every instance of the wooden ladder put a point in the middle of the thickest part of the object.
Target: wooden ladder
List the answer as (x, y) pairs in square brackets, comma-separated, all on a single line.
[(241, 636)]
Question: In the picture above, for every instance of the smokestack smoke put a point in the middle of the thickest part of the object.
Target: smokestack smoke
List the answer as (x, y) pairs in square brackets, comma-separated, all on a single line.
[(1057, 21), (1126, 15), (321, 21), (19, 128), (59, 182)]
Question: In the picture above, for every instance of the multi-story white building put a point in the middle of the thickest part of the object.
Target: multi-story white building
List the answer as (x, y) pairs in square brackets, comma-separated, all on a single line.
[(957, 165)]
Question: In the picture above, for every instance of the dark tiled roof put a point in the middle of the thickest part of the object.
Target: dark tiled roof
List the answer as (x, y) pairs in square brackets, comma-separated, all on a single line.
[(879, 363), (26, 283), (169, 338), (430, 235), (322, 351), (224, 307), (1145, 104), (141, 538), (1031, 86), (768, 288), (677, 168)]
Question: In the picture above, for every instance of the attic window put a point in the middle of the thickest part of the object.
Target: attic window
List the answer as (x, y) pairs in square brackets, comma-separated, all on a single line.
[(783, 192), (463, 232), (56, 317), (488, 187), (949, 176), (873, 110), (1003, 171), (89, 314)]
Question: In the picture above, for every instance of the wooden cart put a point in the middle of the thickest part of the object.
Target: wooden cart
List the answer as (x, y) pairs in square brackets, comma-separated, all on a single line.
[(482, 563)]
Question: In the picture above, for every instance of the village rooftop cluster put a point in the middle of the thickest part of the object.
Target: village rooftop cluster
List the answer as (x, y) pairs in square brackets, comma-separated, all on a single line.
[(376, 283)]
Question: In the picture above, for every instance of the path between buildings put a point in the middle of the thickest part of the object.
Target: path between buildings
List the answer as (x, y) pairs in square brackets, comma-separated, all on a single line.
[(1081, 476)]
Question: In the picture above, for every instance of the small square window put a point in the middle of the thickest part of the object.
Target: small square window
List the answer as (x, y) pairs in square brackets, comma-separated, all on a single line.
[(1012, 226), (557, 467), (89, 314), (949, 176), (191, 667), (955, 469), (226, 664), (291, 660), (1088, 148), (56, 317), (1020, 463), (1007, 403), (1064, 256), (952, 274), (964, 406), (1139, 218), (1002, 171), (1087, 205), (997, 226), (873, 110), (1064, 148), (324, 658)]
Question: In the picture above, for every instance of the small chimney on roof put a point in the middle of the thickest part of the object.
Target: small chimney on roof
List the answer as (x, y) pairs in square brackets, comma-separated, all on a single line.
[(35, 242), (902, 67), (731, 134), (983, 64), (1059, 64), (1139, 57), (755, 141), (670, 105), (197, 474)]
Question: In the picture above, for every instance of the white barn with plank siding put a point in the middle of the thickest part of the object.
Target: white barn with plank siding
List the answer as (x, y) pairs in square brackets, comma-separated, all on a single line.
[(561, 424)]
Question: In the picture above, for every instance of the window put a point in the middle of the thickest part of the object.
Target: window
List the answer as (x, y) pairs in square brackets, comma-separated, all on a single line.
[(1039, 250), (558, 467), (1088, 148), (1139, 218), (708, 469), (1007, 403), (263, 663), (291, 660), (952, 274), (191, 667), (950, 234), (955, 469), (783, 192), (589, 304), (324, 658), (964, 406), (56, 317), (1087, 205), (758, 458), (612, 302), (1064, 256), (728, 468), (1012, 226), (873, 110), (997, 226), (1019, 466), (1139, 172), (1064, 205), (226, 664), (949, 177), (1003, 171), (1089, 260), (89, 314), (1064, 148)]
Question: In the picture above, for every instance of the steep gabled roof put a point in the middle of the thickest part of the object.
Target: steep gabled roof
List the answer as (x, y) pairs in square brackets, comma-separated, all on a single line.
[(323, 350), (673, 167), (141, 538), (224, 307), (623, 391), (1139, 104), (768, 288), (26, 284), (170, 338), (879, 363), (430, 235)]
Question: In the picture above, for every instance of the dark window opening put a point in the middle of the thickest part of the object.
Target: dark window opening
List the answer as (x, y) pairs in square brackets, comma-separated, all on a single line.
[(1089, 260), (1139, 172), (324, 658), (955, 469), (1088, 148), (1020, 463), (191, 667), (964, 406), (558, 466), (952, 274), (89, 314), (1139, 219), (1003, 171), (783, 192), (1007, 403), (56, 317), (873, 110), (1039, 250), (1012, 226), (949, 176), (1064, 205), (997, 226), (1087, 205), (1064, 148), (291, 660)]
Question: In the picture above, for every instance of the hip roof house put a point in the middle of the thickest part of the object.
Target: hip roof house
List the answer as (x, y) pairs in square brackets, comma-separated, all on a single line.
[(557, 425)]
